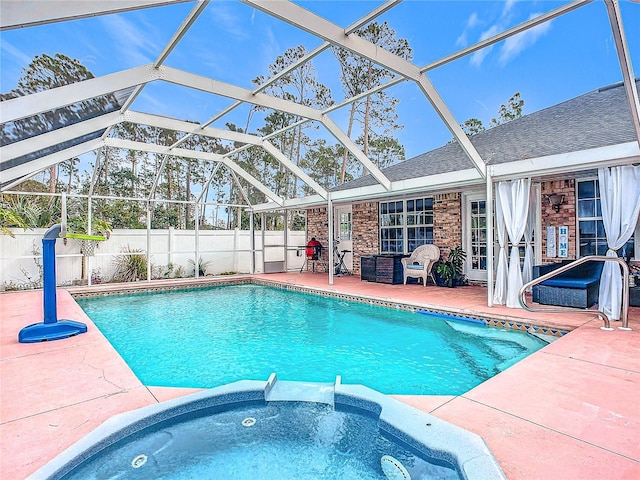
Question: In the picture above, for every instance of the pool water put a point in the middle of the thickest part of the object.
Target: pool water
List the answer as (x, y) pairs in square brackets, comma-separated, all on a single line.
[(209, 337), (325, 444)]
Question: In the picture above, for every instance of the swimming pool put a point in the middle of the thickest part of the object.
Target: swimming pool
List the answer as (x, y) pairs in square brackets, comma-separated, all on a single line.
[(217, 335), (274, 430)]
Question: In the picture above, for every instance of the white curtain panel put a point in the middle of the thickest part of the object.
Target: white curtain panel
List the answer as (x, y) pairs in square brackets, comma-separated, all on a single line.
[(500, 288), (527, 268), (620, 202), (514, 204)]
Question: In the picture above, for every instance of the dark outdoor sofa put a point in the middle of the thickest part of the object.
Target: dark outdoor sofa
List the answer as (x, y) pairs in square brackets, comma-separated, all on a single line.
[(577, 287)]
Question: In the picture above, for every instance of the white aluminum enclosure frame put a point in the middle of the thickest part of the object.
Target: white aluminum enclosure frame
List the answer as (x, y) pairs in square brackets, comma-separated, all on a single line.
[(25, 13)]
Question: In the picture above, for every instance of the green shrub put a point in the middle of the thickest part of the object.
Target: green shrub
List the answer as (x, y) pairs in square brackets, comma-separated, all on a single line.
[(131, 265)]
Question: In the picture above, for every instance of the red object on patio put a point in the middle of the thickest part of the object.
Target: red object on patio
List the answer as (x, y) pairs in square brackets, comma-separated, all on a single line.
[(314, 247)]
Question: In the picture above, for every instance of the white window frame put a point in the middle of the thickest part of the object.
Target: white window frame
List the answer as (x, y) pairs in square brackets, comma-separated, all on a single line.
[(345, 228), (404, 224), (475, 195), (636, 237)]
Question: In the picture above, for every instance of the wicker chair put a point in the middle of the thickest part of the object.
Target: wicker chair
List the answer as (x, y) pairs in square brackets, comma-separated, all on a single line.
[(420, 263)]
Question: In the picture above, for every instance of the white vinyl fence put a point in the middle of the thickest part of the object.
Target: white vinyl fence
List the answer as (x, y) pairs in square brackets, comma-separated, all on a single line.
[(171, 251)]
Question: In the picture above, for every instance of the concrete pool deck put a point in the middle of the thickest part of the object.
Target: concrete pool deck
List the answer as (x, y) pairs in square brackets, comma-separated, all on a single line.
[(570, 410)]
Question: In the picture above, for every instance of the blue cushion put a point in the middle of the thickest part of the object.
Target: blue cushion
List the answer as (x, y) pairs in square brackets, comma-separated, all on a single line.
[(569, 282), (581, 276), (415, 267)]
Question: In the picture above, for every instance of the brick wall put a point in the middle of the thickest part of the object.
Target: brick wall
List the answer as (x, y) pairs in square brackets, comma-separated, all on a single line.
[(317, 225), (366, 232), (447, 221), (565, 216)]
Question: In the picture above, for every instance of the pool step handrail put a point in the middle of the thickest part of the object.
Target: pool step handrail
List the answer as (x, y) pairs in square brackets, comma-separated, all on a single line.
[(569, 266)]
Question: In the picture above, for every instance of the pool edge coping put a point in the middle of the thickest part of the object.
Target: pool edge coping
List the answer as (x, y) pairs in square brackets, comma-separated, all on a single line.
[(495, 320)]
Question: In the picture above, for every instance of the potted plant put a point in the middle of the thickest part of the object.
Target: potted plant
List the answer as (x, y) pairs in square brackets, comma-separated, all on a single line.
[(449, 272), (102, 227), (99, 226)]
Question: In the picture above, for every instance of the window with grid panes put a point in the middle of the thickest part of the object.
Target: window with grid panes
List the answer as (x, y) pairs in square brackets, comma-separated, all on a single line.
[(345, 226), (405, 225), (419, 222), (478, 235), (591, 236), (392, 227)]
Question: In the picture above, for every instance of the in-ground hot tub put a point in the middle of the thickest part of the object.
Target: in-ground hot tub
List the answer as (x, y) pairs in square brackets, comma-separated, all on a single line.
[(273, 430)]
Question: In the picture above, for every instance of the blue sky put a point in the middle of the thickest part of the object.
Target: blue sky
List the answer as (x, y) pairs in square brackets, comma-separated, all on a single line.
[(231, 42)]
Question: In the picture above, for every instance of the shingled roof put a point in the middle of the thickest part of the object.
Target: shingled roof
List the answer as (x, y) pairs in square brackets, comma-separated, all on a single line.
[(596, 119)]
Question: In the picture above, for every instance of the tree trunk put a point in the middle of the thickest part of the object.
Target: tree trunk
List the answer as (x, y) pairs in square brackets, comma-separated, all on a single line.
[(365, 128), (365, 133), (285, 171), (297, 162), (52, 179), (70, 176), (134, 176), (345, 156), (106, 165), (169, 181)]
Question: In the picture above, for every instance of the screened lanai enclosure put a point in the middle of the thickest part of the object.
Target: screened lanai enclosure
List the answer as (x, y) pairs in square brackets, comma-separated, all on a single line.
[(191, 138)]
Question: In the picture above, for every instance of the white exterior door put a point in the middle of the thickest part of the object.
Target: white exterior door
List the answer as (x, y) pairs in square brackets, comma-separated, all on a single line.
[(342, 222), (475, 236), (474, 233)]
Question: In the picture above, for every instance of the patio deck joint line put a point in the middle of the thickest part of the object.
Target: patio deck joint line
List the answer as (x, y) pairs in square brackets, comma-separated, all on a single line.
[(219, 282)]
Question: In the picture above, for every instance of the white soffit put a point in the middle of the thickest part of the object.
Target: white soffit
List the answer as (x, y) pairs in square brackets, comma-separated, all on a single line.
[(622, 154), (431, 183)]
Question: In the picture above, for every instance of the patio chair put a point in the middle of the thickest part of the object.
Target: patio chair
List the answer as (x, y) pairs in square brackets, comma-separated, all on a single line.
[(576, 288), (420, 263)]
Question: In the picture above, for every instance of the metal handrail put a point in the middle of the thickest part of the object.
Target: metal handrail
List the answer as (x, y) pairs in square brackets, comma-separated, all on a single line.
[(569, 266)]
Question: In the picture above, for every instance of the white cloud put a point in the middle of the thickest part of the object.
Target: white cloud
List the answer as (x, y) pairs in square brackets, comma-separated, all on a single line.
[(472, 21), (131, 42), (508, 5), (18, 56), (271, 47), (228, 20), (515, 45), (478, 57), (462, 40)]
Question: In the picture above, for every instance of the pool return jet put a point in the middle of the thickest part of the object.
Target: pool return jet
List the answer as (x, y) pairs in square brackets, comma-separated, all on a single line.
[(52, 328)]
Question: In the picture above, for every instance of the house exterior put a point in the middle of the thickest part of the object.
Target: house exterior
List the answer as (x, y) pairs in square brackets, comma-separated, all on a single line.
[(593, 130)]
